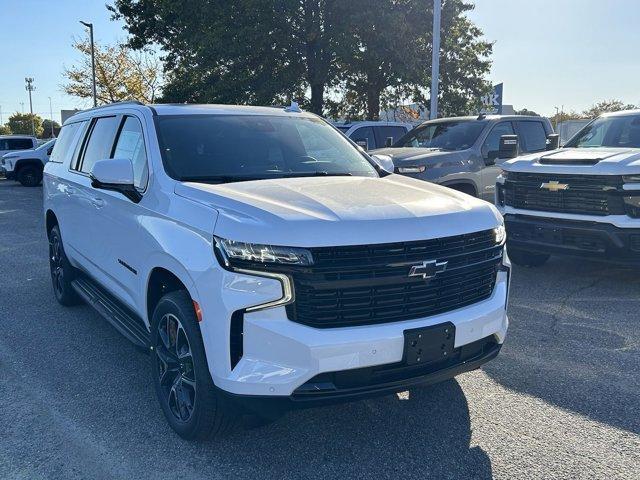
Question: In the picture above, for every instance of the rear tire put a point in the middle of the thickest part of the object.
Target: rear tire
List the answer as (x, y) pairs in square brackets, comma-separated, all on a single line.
[(29, 176), (464, 188), (62, 272), (194, 407), (525, 258)]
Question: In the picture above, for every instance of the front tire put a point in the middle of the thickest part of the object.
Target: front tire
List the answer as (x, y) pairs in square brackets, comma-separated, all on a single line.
[(29, 176), (525, 258), (191, 403), (62, 272)]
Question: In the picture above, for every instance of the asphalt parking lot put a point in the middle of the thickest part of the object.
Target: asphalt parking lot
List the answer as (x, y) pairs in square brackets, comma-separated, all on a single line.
[(561, 401)]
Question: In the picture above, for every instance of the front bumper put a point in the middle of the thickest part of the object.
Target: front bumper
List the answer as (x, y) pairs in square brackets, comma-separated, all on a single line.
[(588, 239), (280, 356)]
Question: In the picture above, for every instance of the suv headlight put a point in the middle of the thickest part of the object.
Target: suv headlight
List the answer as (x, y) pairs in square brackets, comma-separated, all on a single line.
[(240, 254)]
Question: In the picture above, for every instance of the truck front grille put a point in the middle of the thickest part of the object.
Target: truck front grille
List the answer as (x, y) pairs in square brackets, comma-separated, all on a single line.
[(370, 284), (586, 194)]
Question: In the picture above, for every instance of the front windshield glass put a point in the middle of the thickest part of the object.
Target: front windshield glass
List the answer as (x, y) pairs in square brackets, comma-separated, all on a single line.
[(457, 135), (622, 132), (226, 148)]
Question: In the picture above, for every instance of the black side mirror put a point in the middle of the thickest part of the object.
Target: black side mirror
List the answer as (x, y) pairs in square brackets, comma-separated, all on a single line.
[(388, 142), (553, 141), (509, 147)]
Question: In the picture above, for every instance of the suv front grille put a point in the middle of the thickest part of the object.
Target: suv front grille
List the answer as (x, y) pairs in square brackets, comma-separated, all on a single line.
[(586, 194), (370, 284)]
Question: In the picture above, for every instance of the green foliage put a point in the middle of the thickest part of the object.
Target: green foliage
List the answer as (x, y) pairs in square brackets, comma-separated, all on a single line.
[(20, 123), (46, 128), (526, 111), (360, 55), (5, 130)]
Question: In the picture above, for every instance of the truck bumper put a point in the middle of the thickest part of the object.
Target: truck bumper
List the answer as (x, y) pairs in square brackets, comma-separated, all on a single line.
[(580, 238)]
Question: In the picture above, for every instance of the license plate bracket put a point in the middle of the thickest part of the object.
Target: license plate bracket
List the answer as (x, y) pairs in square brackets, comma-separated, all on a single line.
[(429, 344)]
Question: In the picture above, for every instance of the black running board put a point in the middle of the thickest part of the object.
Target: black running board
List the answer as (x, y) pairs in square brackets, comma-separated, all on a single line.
[(122, 318)]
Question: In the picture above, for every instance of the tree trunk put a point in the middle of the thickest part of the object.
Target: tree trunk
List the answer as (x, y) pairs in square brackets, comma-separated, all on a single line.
[(317, 98), (373, 102)]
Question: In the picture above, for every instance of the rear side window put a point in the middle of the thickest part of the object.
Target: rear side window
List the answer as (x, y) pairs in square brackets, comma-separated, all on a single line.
[(130, 145), (100, 142), (65, 145), (364, 134), (533, 136), (385, 132), (19, 143)]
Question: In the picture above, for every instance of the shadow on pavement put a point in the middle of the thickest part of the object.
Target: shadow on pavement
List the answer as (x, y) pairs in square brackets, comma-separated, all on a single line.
[(573, 340)]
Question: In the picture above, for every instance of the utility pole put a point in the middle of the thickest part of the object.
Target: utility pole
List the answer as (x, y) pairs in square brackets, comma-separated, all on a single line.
[(435, 59), (30, 88), (22, 107), (93, 60), (51, 117)]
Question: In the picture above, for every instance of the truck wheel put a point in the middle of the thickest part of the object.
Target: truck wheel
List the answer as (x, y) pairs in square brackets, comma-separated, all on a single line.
[(29, 176), (194, 407), (525, 258), (62, 273)]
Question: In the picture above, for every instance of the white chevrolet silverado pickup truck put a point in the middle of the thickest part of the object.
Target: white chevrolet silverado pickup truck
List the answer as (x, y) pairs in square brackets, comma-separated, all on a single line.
[(580, 200), (265, 261)]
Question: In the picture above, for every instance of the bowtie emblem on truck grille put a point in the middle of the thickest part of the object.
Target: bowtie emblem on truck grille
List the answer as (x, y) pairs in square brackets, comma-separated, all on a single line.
[(428, 269), (554, 186)]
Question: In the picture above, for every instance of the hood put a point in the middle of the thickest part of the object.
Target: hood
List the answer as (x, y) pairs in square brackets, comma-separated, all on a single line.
[(326, 211), (587, 161), (19, 153), (411, 155)]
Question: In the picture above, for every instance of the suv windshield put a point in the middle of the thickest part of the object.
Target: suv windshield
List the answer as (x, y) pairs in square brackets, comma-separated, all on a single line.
[(226, 148), (622, 131), (456, 135)]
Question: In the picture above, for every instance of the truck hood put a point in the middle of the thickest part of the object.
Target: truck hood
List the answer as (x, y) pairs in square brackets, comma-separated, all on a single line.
[(327, 211), (600, 161), (412, 156)]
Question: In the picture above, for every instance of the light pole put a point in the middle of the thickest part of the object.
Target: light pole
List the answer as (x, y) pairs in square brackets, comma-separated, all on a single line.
[(93, 60), (51, 117), (435, 59), (30, 88)]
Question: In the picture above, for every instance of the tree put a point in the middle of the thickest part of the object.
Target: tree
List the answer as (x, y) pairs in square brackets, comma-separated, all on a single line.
[(121, 74), (526, 111), (21, 123), (47, 128), (606, 106), (5, 130)]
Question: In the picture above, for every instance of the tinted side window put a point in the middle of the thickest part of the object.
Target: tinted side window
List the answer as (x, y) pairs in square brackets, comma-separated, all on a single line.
[(493, 139), (19, 143), (100, 142), (384, 132), (362, 134), (130, 145), (533, 136), (3, 144), (65, 143)]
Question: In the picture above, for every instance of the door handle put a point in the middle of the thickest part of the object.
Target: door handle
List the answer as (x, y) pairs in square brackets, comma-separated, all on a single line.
[(97, 202)]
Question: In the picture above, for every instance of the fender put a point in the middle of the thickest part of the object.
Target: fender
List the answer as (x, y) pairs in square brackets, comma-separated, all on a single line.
[(461, 181), (28, 161)]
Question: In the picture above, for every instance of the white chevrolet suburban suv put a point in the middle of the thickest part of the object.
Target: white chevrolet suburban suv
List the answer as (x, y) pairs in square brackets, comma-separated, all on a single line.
[(580, 200), (267, 262)]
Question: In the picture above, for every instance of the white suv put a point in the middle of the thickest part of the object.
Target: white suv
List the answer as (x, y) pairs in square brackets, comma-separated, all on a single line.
[(266, 261), (580, 200)]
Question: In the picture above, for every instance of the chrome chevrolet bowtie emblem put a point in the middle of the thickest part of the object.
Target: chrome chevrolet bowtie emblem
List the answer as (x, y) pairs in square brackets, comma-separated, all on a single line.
[(428, 269), (554, 186)]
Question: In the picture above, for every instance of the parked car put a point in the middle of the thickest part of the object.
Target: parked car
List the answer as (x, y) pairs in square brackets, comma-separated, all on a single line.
[(265, 261), (12, 143), (370, 134), (26, 166), (582, 199), (462, 152)]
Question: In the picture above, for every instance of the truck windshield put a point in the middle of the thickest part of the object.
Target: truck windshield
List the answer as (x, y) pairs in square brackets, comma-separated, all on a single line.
[(227, 148), (455, 135), (621, 131)]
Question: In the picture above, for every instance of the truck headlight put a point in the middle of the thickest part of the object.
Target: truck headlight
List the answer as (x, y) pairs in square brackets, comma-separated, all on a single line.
[(500, 234), (632, 205), (241, 253)]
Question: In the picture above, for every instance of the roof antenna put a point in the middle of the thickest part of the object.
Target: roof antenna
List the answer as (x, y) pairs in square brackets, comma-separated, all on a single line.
[(294, 107)]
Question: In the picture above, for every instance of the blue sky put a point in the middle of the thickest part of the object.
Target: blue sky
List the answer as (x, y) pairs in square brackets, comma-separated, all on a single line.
[(547, 52)]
